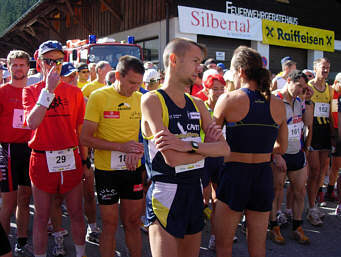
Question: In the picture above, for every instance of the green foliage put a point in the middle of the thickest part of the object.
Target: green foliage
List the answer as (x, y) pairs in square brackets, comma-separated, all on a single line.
[(11, 10)]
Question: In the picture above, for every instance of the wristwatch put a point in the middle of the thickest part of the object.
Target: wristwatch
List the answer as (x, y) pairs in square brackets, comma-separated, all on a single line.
[(195, 147)]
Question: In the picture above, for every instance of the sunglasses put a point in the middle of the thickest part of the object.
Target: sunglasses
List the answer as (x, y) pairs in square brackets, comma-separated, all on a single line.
[(84, 71), (50, 62)]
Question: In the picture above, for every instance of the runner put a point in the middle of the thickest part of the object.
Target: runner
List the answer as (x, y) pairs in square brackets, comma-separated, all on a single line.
[(111, 127), (246, 180), (171, 123), (55, 110), (293, 162), (321, 139), (102, 68), (14, 152)]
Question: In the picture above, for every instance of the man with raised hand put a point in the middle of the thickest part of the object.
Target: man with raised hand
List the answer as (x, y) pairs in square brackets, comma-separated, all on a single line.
[(54, 111)]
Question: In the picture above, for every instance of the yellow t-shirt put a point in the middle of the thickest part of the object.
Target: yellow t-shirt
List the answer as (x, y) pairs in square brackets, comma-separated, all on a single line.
[(118, 120), (321, 102), (81, 84), (90, 87)]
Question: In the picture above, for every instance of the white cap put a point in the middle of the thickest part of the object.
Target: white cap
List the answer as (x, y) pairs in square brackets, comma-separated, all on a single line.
[(151, 74), (208, 73), (6, 74), (228, 76)]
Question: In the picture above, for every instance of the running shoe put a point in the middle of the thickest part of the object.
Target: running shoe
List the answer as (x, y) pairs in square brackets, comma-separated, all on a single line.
[(281, 218), (300, 237), (211, 243), (92, 236), (313, 217), (25, 250), (338, 211), (58, 249), (320, 199), (276, 236)]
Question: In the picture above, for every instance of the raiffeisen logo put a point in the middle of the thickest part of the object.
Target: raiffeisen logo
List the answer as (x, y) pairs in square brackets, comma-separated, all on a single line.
[(276, 33)]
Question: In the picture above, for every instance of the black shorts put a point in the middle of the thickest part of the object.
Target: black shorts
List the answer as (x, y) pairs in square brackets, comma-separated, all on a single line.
[(321, 139), (212, 168), (244, 186), (177, 207), (14, 166), (114, 185), (5, 246), (295, 161)]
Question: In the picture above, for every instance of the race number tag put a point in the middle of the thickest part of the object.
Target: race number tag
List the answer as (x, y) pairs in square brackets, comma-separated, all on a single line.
[(117, 160), (61, 160), (321, 110), (18, 119), (191, 166), (295, 131)]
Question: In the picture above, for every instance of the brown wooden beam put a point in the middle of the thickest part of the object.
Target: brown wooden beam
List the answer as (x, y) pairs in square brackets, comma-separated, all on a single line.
[(69, 7), (16, 45), (112, 10), (61, 37)]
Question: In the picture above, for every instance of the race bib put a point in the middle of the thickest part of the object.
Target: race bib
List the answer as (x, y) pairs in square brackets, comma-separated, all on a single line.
[(191, 166), (321, 110), (295, 131), (117, 160), (18, 119), (61, 160)]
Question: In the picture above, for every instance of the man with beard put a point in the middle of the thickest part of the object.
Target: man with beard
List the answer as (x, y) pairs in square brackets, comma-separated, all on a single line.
[(14, 152)]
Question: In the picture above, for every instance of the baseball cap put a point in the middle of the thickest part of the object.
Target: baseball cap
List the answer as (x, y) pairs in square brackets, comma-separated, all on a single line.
[(285, 59), (221, 65), (151, 74), (50, 45), (208, 73), (82, 66), (67, 69)]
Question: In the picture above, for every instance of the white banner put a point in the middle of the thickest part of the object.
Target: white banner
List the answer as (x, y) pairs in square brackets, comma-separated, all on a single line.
[(206, 22)]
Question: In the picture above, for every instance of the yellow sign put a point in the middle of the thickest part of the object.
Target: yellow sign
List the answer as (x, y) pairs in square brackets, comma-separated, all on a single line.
[(283, 34)]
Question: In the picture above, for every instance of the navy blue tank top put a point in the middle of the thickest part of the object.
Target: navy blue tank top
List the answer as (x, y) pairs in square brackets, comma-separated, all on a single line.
[(185, 124), (257, 132)]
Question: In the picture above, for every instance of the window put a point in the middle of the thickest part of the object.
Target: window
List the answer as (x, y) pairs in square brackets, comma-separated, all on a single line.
[(150, 49)]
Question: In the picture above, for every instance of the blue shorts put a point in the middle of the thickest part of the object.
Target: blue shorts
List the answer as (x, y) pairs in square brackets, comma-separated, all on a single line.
[(295, 161), (244, 186), (212, 169), (177, 207)]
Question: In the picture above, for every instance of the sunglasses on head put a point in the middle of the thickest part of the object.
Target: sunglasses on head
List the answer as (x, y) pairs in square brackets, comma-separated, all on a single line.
[(50, 62)]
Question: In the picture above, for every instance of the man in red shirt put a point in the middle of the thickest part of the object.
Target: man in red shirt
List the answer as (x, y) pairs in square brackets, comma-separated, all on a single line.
[(54, 111), (14, 152)]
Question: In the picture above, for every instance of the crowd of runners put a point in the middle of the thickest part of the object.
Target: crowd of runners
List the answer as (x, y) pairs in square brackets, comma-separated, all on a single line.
[(162, 151)]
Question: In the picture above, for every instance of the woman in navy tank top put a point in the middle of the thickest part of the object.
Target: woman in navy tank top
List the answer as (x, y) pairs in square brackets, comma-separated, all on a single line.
[(255, 128)]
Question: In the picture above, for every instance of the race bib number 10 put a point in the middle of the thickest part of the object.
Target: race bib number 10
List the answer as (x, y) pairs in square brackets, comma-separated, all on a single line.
[(321, 110), (61, 160)]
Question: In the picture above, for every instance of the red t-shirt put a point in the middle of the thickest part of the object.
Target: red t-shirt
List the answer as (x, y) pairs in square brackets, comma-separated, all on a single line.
[(58, 129), (201, 95), (12, 116), (196, 88), (335, 110)]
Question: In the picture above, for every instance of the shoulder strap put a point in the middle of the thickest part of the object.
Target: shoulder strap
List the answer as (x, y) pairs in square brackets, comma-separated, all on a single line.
[(165, 117), (195, 106)]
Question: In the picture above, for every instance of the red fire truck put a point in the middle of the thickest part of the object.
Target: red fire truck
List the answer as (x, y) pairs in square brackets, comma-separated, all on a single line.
[(105, 49)]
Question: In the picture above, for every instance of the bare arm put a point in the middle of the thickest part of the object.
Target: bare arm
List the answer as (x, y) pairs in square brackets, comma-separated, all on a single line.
[(153, 126), (281, 143)]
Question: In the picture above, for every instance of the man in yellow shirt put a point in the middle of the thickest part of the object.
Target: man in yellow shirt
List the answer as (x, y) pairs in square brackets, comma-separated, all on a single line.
[(83, 74), (111, 127), (102, 68)]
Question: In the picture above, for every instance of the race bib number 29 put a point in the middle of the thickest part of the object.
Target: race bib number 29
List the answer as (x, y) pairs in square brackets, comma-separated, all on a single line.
[(60, 160)]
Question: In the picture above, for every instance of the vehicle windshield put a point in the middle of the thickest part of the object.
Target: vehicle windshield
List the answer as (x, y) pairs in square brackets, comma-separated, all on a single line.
[(112, 53)]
